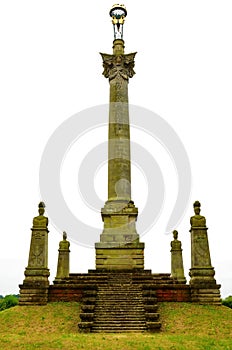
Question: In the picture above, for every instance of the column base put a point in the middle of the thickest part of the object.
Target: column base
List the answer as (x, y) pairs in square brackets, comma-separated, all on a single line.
[(204, 289), (34, 290), (113, 256)]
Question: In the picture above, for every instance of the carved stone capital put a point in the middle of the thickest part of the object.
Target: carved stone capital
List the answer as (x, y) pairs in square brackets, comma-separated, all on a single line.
[(118, 66)]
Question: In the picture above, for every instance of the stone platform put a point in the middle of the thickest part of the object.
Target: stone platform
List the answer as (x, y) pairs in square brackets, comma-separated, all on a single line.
[(72, 288)]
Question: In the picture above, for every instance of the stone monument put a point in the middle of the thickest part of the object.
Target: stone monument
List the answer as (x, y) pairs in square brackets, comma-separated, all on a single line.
[(63, 258), (119, 282), (34, 289), (177, 267), (119, 246), (203, 285)]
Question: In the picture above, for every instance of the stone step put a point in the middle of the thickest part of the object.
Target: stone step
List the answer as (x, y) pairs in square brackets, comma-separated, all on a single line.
[(126, 294), (107, 305), (152, 317), (119, 323), (119, 287), (120, 326), (118, 320), (115, 295), (89, 301), (115, 298), (128, 299), (119, 329), (151, 308), (150, 300), (106, 330), (117, 317), (153, 326), (118, 311), (118, 314), (117, 303)]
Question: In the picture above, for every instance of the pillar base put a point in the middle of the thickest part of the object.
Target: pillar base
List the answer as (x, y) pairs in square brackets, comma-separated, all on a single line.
[(34, 290), (113, 256), (204, 289)]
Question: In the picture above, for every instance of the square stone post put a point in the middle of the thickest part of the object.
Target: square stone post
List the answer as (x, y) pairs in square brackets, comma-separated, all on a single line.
[(177, 267), (63, 259), (204, 288), (34, 290)]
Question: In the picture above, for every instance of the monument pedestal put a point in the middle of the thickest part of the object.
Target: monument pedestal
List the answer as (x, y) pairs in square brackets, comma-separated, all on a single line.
[(34, 290), (204, 289), (119, 247), (128, 256)]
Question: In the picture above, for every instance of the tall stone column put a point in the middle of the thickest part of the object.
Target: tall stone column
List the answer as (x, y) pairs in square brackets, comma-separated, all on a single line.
[(119, 246), (177, 267), (34, 289), (203, 285), (63, 258)]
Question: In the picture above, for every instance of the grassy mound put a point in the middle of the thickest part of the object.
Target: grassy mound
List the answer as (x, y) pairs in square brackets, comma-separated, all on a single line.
[(54, 326)]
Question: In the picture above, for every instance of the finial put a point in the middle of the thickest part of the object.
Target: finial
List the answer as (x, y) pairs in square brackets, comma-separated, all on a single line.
[(118, 14), (41, 207), (64, 236), (175, 234), (196, 204)]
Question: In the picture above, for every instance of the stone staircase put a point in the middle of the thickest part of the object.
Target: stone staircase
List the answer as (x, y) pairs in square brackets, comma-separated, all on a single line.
[(119, 306), (119, 301)]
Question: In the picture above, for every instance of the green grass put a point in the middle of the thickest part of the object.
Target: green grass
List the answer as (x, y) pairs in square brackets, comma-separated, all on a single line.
[(54, 326)]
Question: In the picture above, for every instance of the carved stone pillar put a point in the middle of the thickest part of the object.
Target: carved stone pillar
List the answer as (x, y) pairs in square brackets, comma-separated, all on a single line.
[(63, 259), (203, 285), (119, 246), (177, 267), (34, 289)]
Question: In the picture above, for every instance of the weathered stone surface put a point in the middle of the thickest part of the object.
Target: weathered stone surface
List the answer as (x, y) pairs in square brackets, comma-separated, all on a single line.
[(34, 289), (85, 327), (113, 258), (88, 308), (120, 306), (74, 287), (63, 258), (201, 272), (119, 213), (177, 267)]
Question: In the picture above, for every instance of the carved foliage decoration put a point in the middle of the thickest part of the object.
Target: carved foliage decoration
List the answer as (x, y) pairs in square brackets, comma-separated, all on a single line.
[(118, 66)]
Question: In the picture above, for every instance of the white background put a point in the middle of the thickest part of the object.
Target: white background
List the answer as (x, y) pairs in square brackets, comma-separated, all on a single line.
[(51, 69)]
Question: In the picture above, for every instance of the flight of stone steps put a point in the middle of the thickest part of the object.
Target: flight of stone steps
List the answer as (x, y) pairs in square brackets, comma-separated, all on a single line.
[(120, 306)]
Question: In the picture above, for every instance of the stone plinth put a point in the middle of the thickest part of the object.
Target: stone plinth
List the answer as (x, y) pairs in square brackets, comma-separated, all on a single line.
[(110, 256), (34, 290), (119, 246), (204, 288)]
